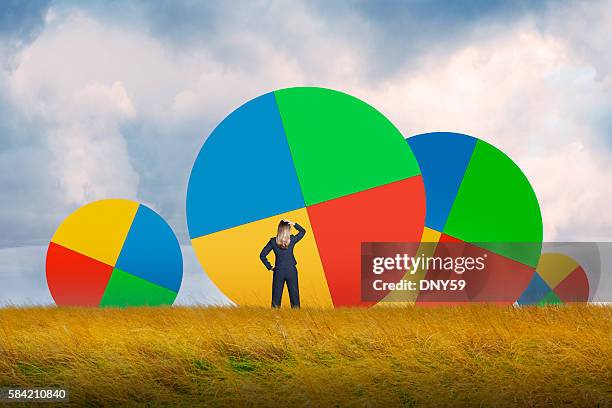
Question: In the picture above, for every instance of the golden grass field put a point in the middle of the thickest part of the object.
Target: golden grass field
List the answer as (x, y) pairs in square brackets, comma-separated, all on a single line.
[(411, 357)]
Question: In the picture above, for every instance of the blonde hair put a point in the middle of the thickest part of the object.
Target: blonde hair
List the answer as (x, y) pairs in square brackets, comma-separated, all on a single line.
[(283, 235)]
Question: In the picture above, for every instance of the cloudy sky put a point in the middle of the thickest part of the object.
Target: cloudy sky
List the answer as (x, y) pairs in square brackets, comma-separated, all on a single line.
[(114, 99)]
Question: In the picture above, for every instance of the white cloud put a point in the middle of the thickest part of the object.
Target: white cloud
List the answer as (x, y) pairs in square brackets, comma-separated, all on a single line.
[(81, 118), (573, 185), (90, 155)]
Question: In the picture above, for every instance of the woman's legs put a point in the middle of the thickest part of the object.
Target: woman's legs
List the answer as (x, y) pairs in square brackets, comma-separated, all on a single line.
[(279, 278), (293, 286), (278, 284)]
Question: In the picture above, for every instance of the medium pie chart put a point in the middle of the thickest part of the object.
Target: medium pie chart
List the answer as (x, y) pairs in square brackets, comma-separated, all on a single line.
[(479, 203)]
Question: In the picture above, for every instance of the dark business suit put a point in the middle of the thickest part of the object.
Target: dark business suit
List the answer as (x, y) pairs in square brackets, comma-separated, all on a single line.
[(284, 268)]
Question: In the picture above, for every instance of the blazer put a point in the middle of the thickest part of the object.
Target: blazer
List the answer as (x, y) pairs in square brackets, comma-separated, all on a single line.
[(284, 256)]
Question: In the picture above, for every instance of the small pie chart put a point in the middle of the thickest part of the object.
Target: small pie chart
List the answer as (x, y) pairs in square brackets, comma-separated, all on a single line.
[(114, 252), (558, 279), (319, 157)]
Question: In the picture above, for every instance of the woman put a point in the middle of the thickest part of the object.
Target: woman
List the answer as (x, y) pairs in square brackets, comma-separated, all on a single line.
[(284, 268)]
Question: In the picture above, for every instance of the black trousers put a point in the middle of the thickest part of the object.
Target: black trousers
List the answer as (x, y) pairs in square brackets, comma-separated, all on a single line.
[(288, 275)]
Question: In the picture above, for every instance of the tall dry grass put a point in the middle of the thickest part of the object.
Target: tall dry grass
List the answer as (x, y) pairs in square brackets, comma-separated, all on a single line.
[(468, 356)]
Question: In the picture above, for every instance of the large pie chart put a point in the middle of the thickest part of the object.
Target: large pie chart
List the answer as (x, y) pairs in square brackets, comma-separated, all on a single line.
[(114, 252), (479, 202), (319, 157)]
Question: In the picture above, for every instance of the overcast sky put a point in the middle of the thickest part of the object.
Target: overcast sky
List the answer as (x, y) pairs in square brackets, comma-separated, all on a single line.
[(114, 99)]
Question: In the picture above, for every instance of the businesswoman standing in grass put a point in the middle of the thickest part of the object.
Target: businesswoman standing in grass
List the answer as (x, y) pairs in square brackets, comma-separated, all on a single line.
[(284, 270)]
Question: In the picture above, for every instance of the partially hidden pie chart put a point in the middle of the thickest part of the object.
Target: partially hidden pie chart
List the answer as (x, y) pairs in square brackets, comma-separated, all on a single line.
[(479, 203), (558, 279)]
